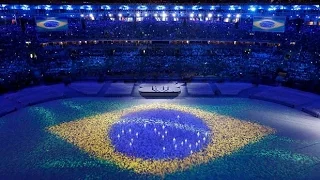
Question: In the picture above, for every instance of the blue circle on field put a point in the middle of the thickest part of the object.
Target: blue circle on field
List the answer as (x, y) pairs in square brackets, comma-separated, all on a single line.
[(51, 24), (267, 24), (159, 134)]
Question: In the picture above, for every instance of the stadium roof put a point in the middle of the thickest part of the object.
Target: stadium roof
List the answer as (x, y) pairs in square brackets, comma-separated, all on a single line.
[(157, 1)]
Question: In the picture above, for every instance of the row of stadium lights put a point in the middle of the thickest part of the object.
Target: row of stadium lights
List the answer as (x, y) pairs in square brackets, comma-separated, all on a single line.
[(159, 7), (165, 15)]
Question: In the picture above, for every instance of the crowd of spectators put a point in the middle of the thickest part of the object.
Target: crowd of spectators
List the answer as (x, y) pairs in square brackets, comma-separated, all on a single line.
[(288, 58)]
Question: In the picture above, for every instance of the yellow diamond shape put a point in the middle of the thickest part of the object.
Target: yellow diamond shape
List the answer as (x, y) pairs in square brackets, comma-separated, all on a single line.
[(230, 134)]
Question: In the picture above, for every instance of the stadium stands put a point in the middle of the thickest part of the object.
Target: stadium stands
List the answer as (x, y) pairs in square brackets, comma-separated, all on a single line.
[(215, 43)]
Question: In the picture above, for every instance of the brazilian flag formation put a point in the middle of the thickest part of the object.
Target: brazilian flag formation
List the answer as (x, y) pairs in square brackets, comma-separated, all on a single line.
[(269, 24), (51, 24)]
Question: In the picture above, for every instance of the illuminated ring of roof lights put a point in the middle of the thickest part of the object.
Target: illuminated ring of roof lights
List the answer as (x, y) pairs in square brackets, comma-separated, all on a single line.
[(230, 134)]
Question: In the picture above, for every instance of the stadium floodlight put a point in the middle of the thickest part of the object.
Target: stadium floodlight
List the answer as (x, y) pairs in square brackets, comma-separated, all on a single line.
[(174, 14), (145, 14), (296, 7), (238, 15), (191, 15), (164, 14), (69, 8), (155, 15), (232, 8), (86, 7), (196, 7), (229, 15), (142, 8), (110, 15), (160, 7), (91, 16), (25, 7), (272, 8), (124, 7), (252, 8), (120, 15), (47, 7), (138, 14), (105, 7), (178, 8), (210, 15)]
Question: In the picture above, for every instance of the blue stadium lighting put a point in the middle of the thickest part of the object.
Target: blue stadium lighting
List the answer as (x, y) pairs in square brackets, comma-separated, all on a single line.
[(177, 8), (238, 15), (200, 15), (48, 7), (252, 8), (69, 8), (86, 7), (195, 8), (155, 15), (191, 15), (120, 15), (25, 7), (296, 7), (160, 7), (282, 7), (142, 8), (174, 15), (91, 16), (81, 15), (229, 15), (232, 8), (210, 15), (105, 7), (212, 8), (124, 7), (272, 8), (138, 14), (145, 14)]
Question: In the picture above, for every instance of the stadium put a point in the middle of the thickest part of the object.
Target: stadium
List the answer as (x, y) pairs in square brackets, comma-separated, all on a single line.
[(159, 91)]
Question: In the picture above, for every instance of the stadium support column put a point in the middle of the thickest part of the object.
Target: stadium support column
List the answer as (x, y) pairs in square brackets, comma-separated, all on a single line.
[(83, 24)]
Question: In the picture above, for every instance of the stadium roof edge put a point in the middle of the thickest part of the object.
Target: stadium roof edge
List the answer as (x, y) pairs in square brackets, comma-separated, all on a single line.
[(166, 4)]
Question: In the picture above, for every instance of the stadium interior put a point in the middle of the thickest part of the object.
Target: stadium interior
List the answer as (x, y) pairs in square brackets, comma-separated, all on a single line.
[(159, 91)]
